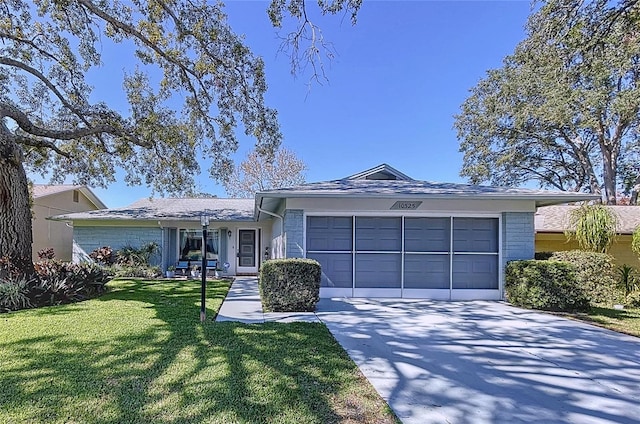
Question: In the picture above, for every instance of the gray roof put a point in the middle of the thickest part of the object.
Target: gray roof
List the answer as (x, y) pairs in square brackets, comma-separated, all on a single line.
[(555, 219), (172, 209), (422, 189), (380, 172), (382, 181)]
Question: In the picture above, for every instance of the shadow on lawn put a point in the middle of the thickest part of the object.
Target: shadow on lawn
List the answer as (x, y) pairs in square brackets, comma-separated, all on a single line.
[(175, 369)]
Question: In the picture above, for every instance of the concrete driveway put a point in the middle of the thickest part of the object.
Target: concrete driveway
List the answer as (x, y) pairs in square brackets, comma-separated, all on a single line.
[(487, 362)]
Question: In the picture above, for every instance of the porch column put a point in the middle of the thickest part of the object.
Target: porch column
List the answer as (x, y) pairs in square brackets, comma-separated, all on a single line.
[(294, 233)]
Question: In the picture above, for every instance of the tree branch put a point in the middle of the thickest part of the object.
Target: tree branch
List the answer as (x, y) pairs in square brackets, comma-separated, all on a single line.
[(17, 64), (25, 124), (137, 34)]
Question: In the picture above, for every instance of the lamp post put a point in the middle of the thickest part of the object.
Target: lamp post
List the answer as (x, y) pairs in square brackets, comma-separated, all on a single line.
[(204, 220)]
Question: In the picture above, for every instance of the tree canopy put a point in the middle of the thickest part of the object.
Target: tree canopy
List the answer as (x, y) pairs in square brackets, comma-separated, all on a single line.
[(563, 110), (257, 173), (183, 51), (185, 48)]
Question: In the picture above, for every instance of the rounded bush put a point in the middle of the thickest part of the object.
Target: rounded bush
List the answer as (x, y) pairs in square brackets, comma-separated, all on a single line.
[(545, 285), (596, 273), (290, 285)]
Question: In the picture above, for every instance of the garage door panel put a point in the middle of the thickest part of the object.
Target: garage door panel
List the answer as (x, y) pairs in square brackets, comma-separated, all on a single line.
[(475, 234), (329, 233), (337, 269), (378, 234), (378, 270), (475, 272), (427, 234), (426, 271)]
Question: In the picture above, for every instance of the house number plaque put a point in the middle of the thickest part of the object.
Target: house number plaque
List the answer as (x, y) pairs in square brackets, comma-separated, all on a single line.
[(407, 206)]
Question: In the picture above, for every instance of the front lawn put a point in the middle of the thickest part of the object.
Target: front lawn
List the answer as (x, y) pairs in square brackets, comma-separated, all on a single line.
[(140, 355), (624, 321)]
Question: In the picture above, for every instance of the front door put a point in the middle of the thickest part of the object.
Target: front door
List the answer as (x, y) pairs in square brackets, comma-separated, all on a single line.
[(247, 252)]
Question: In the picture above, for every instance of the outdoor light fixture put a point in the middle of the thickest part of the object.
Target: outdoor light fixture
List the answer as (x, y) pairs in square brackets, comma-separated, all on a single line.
[(204, 220), (229, 233)]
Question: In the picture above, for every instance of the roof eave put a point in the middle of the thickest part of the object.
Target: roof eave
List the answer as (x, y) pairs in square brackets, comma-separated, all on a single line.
[(99, 204), (135, 219), (541, 198)]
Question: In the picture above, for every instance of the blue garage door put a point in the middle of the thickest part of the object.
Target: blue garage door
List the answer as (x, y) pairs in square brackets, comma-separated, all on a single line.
[(440, 257)]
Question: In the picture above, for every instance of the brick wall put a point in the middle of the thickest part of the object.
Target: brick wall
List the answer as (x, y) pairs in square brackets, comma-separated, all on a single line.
[(294, 232), (91, 238), (518, 236)]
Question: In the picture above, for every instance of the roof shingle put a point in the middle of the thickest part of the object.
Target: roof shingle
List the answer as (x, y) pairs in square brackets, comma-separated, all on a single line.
[(173, 209), (555, 219)]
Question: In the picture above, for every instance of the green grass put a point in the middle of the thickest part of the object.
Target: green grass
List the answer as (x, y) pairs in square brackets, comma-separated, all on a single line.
[(140, 355), (624, 321)]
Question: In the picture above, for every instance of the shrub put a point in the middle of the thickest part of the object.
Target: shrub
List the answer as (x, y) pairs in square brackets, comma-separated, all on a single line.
[(14, 294), (54, 283), (543, 256), (596, 274), (64, 282), (7, 268), (635, 240), (627, 279), (136, 257), (103, 255), (290, 285), (633, 299), (46, 253), (546, 285)]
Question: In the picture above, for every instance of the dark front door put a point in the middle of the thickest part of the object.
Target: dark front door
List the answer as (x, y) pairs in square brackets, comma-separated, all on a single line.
[(247, 251)]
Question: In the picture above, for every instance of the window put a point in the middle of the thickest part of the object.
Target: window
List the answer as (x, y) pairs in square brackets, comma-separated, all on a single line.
[(76, 196), (191, 245)]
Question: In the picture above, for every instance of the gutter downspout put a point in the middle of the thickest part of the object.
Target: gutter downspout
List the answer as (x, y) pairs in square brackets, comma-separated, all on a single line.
[(284, 245)]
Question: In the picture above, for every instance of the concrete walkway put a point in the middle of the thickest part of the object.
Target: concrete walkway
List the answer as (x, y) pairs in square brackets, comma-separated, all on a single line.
[(242, 304), (474, 362)]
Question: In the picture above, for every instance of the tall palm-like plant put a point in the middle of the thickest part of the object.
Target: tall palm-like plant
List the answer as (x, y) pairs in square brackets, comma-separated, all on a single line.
[(593, 227), (635, 241)]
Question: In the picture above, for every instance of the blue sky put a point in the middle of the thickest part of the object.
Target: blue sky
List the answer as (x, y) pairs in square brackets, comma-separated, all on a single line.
[(400, 75)]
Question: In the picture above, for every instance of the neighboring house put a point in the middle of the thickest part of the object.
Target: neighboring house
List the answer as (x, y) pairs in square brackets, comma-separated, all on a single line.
[(49, 200), (552, 221), (377, 233)]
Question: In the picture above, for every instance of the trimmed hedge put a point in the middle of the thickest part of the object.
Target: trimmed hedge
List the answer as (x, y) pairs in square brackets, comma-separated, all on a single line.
[(546, 285), (596, 274), (290, 285), (543, 256)]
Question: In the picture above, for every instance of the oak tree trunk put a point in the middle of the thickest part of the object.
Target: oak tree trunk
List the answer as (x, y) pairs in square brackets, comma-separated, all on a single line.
[(15, 208)]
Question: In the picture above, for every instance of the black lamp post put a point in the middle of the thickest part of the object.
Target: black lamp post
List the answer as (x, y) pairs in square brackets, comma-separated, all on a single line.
[(204, 220)]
